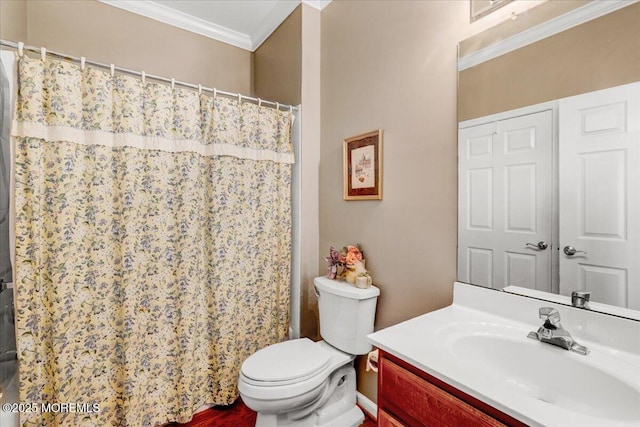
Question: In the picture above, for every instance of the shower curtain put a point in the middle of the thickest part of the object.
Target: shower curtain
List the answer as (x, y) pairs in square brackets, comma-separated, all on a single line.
[(153, 233)]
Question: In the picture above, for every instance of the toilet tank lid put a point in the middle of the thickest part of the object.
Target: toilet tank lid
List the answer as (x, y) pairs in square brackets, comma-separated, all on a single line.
[(345, 289)]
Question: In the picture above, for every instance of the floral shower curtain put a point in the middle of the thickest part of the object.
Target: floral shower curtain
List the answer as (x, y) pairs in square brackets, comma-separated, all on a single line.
[(152, 244)]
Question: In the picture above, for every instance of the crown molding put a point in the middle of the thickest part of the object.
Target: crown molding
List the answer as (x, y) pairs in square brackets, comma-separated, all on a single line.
[(272, 21), (317, 4), (179, 19), (277, 17), (182, 20), (571, 19)]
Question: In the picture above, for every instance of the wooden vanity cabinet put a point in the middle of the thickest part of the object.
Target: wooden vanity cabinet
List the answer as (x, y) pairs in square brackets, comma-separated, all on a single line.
[(410, 397)]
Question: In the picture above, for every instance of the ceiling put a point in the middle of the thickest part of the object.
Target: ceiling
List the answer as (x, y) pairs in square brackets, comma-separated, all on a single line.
[(242, 23)]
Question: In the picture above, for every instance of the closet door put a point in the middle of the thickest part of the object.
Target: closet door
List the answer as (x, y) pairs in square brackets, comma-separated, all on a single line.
[(599, 199), (505, 202)]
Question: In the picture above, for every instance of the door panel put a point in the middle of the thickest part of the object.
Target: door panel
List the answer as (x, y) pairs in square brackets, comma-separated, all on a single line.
[(521, 269), (480, 205), (599, 207), (604, 182), (605, 283), (521, 198), (480, 266)]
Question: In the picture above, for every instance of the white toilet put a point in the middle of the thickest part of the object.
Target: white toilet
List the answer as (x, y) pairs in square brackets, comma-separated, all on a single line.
[(313, 384)]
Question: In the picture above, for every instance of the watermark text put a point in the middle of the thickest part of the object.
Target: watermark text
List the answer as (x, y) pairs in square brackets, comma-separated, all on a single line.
[(67, 407)]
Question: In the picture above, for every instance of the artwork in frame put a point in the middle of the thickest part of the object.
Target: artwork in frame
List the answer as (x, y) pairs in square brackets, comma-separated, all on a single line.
[(363, 166)]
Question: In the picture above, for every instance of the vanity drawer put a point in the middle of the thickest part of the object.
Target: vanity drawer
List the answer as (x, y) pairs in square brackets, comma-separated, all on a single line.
[(417, 402)]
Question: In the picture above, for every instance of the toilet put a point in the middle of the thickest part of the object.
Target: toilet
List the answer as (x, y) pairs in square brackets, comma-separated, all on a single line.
[(313, 384)]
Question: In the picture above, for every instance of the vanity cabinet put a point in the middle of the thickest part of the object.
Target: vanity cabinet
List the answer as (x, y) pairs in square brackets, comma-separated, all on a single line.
[(410, 397)]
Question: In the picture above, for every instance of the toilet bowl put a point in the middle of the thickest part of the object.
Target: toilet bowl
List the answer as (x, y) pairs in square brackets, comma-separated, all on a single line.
[(313, 384), (281, 399)]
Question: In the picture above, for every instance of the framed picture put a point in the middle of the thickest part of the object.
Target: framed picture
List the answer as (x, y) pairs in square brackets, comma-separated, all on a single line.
[(363, 166)]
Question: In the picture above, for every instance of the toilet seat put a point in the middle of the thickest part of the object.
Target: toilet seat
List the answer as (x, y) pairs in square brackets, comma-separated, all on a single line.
[(285, 363), (264, 388)]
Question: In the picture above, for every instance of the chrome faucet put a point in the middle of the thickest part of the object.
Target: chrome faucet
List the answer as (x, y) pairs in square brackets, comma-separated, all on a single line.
[(580, 299), (552, 332)]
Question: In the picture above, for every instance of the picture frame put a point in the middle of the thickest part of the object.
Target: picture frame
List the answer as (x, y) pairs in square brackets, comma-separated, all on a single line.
[(362, 166)]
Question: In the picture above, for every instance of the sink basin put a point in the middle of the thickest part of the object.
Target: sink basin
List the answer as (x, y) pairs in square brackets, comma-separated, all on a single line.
[(543, 372), (479, 346)]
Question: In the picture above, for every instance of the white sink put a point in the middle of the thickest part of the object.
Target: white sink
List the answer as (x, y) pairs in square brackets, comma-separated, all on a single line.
[(479, 345), (588, 385)]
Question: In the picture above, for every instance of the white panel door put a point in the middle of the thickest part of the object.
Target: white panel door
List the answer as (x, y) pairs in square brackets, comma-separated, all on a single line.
[(599, 206), (504, 198)]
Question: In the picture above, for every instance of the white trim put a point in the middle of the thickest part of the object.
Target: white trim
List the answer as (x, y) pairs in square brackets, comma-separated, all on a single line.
[(159, 12), (317, 4), (588, 12), (296, 228), (278, 15), (367, 404), (271, 22), (523, 111), (110, 139), (179, 19)]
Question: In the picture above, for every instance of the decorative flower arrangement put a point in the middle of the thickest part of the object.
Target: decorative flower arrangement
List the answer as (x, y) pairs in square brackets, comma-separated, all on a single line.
[(347, 264)]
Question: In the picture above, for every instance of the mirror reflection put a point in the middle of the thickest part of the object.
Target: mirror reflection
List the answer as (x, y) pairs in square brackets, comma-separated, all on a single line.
[(549, 162), (480, 8)]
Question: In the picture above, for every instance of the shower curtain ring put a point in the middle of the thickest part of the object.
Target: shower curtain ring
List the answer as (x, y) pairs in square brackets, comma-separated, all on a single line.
[(199, 89), (113, 70), (144, 76), (82, 62), (20, 49), (43, 54), (173, 83), (259, 102), (239, 99)]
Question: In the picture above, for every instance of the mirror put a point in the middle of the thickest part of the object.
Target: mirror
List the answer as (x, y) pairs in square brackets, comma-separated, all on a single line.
[(480, 8), (549, 155)]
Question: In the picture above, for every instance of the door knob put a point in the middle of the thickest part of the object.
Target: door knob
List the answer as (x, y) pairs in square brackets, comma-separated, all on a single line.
[(541, 246), (571, 251)]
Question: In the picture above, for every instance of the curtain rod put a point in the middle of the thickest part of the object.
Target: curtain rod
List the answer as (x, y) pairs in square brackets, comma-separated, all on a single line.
[(143, 75)]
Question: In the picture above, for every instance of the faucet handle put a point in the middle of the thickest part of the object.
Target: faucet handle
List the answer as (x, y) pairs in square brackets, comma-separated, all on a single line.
[(580, 299), (550, 315)]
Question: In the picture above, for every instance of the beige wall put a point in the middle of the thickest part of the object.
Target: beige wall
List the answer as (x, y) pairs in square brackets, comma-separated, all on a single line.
[(310, 164), (392, 65), (107, 34), (596, 55), (13, 20), (278, 62)]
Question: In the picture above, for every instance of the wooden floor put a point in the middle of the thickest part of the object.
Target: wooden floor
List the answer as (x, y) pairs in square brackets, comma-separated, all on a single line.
[(236, 415)]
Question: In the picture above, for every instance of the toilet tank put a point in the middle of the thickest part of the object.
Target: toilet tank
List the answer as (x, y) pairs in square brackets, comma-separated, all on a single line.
[(346, 314)]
